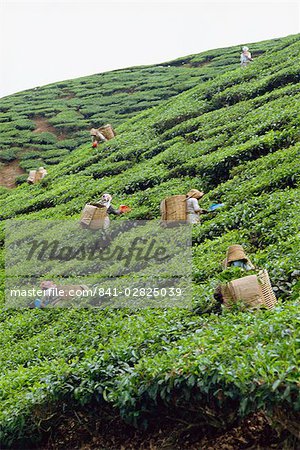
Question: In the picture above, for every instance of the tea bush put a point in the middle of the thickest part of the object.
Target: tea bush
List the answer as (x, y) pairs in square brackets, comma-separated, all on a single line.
[(74, 106), (233, 133)]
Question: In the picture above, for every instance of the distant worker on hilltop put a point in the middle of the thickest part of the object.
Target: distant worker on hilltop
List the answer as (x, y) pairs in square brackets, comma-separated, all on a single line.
[(245, 57)]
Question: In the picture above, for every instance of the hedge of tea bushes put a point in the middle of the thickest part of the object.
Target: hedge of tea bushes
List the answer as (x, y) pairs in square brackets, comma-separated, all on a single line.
[(236, 137), (74, 106), (213, 369), (224, 369)]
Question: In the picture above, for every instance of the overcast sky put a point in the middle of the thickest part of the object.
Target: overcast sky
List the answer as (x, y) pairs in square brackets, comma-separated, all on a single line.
[(43, 42)]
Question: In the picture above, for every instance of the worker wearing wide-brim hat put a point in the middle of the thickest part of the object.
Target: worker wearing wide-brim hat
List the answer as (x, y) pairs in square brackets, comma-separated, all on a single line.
[(192, 206), (253, 291), (236, 257)]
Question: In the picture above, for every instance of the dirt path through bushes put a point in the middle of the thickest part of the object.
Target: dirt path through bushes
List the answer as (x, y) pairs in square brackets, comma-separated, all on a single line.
[(9, 172), (43, 126)]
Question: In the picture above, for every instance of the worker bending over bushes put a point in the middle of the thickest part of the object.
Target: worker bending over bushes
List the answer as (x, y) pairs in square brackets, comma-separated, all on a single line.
[(252, 291), (102, 134), (36, 175), (95, 215)]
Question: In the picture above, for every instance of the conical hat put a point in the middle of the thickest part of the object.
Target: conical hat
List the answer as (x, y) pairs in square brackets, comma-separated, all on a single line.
[(236, 253), (194, 193)]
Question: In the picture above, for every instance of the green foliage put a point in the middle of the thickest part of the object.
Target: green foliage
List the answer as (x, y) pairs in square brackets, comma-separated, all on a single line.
[(74, 106), (43, 138), (8, 155), (254, 367), (233, 133), (24, 124), (21, 179)]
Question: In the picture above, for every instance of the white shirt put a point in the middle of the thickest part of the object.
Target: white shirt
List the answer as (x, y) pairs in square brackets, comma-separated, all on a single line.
[(192, 206), (245, 57)]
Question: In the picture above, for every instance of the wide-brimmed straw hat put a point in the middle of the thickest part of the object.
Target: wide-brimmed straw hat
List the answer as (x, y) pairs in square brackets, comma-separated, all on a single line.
[(245, 49), (236, 253), (194, 193)]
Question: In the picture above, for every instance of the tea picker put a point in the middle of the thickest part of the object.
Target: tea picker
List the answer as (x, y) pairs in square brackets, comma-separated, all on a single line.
[(236, 257), (182, 208), (102, 134), (192, 206), (95, 215), (36, 175), (246, 57), (252, 291), (97, 137)]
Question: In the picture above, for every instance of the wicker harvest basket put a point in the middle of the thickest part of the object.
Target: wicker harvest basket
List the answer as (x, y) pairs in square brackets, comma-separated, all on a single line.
[(266, 288), (31, 177), (34, 176), (107, 131), (92, 217), (255, 291), (38, 176), (173, 209)]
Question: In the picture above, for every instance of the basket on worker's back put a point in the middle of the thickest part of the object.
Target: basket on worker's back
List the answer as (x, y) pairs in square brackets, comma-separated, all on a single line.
[(173, 209), (93, 217), (34, 176), (255, 291), (107, 131), (266, 288)]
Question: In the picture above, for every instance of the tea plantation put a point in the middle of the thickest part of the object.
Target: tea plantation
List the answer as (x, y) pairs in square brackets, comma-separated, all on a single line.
[(205, 123), (42, 125)]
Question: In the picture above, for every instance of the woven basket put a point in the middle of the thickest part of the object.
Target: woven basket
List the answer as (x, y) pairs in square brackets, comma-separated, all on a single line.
[(92, 217), (34, 176), (38, 176), (173, 209), (266, 288), (255, 291), (107, 131), (31, 177)]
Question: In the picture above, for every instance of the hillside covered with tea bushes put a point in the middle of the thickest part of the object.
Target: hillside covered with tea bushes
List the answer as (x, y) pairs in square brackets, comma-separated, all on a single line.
[(41, 126), (235, 135)]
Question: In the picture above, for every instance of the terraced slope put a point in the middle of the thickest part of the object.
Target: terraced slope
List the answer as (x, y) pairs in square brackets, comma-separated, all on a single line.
[(42, 126), (237, 138)]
